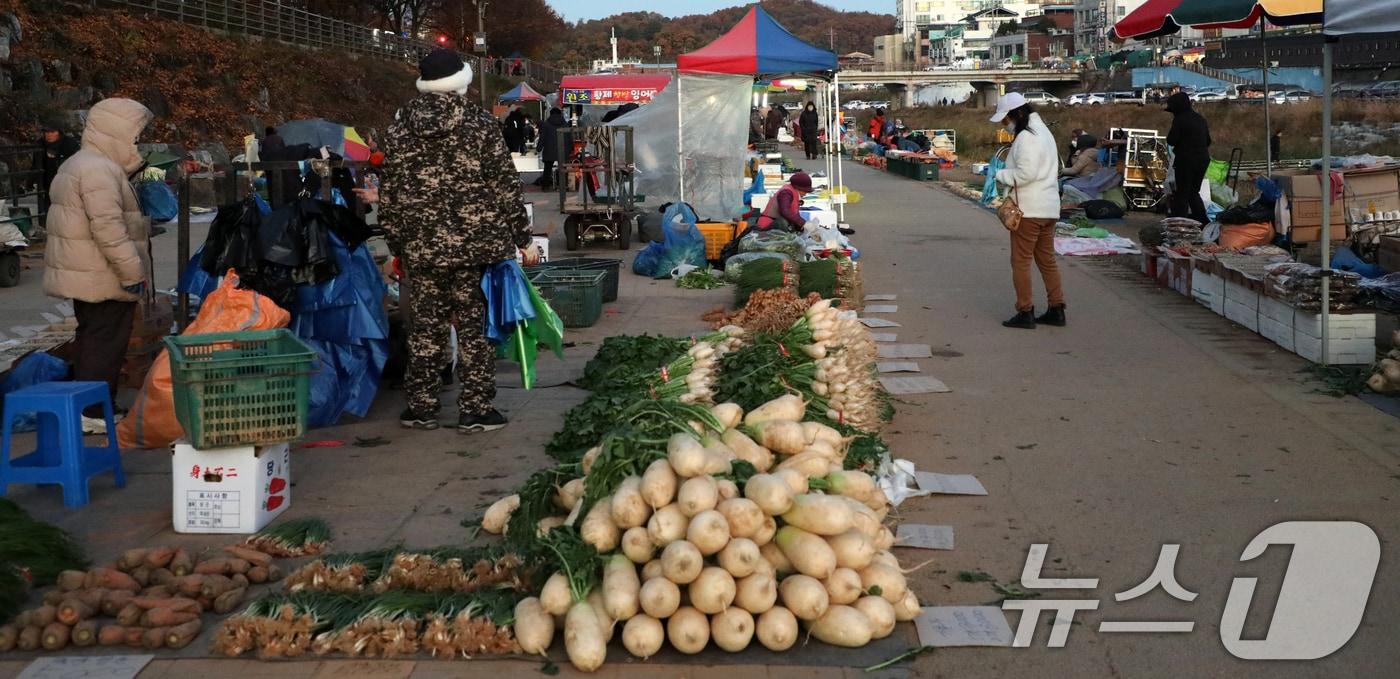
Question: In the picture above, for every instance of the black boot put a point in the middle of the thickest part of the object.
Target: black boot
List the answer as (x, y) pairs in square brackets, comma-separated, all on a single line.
[(1024, 320), (1055, 316)]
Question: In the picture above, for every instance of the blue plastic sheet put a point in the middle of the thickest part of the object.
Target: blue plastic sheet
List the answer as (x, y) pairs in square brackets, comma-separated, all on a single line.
[(1346, 260), (157, 201), (34, 368), (754, 189), (518, 320)]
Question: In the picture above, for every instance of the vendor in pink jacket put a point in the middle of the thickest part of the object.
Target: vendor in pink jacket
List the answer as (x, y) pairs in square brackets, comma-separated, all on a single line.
[(98, 252), (783, 211)]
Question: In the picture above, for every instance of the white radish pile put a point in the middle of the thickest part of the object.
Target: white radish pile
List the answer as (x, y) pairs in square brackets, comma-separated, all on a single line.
[(694, 560), (845, 356)]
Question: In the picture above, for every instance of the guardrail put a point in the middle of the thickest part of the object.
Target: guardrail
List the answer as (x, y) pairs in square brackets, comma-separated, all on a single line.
[(22, 191), (274, 21)]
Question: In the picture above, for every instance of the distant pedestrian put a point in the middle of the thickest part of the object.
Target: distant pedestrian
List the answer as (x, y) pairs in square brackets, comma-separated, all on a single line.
[(549, 145), (54, 148), (877, 125), (809, 125), (1031, 177), (1276, 146), (272, 145), (774, 122), (515, 130), (1190, 142)]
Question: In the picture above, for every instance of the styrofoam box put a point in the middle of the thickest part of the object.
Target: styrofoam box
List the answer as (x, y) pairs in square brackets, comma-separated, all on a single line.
[(1234, 292), (1276, 310), (771, 169), (1277, 332), (1341, 326), (541, 242), (759, 201), (229, 490), (1340, 352), (1209, 290), (1241, 313), (820, 182)]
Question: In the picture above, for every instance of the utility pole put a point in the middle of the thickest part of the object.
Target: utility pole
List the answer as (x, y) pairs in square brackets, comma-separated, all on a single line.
[(480, 45)]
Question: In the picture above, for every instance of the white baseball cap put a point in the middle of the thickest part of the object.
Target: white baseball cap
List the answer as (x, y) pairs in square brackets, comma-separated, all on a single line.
[(1008, 103)]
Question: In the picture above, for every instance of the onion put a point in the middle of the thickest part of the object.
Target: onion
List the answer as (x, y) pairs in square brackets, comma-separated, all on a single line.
[(879, 612), (756, 593), (637, 545), (708, 531), (805, 596), (712, 591), (842, 626), (776, 629), (660, 598), (732, 629), (681, 562), (642, 636), (697, 494), (659, 484), (688, 630)]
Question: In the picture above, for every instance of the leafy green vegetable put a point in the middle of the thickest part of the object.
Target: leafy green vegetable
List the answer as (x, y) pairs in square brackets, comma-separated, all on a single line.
[(625, 361), (13, 591), (700, 279), (39, 548), (586, 423)]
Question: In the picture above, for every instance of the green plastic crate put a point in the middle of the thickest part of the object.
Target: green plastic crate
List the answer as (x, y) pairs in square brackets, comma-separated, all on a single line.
[(576, 295), (611, 266), (241, 388)]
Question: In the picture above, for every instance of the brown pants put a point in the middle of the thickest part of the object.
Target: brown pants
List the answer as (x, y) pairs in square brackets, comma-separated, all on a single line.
[(1035, 240), (104, 329)]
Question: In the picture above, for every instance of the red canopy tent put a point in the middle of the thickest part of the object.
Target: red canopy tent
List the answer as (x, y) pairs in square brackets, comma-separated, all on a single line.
[(758, 45), (611, 89)]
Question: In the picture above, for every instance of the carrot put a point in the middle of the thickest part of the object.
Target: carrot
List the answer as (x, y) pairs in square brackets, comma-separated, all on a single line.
[(129, 615), (252, 556), (110, 578), (85, 633), (43, 616), (181, 563), (134, 637), (115, 601), (257, 575), (206, 603), (142, 575), (73, 610), (9, 635), (213, 567), (161, 576), (71, 580), (164, 617), (56, 636), (28, 639), (132, 558), (182, 635), (226, 602), (240, 580), (111, 635), (173, 603), (154, 637), (157, 592), (214, 585), (274, 573), (189, 585), (159, 557)]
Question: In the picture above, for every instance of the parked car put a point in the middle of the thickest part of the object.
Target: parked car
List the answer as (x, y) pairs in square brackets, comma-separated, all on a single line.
[(1210, 94), (1389, 89), (855, 105), (1126, 97), (1042, 98), (1350, 90), (1294, 96), (1097, 98), (1077, 99)]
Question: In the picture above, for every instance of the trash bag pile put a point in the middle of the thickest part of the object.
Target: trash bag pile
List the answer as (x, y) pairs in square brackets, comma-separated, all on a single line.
[(682, 244)]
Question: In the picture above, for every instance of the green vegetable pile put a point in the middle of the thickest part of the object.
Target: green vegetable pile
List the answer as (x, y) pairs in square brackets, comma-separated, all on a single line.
[(700, 279)]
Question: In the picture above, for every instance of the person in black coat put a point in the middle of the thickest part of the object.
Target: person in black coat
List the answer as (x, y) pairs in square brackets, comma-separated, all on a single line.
[(810, 125), (272, 144), (1190, 142), (54, 148), (515, 131), (549, 145)]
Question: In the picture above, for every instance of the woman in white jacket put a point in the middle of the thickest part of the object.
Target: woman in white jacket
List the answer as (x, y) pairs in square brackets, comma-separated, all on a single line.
[(1032, 177)]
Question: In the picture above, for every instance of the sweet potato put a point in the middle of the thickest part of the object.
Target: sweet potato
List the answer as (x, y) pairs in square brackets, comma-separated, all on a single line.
[(274, 573), (111, 635), (129, 615), (252, 556), (181, 636), (236, 565), (115, 601), (189, 585), (240, 580), (134, 637), (206, 603), (214, 585), (56, 636), (28, 639), (55, 597), (9, 636), (160, 557), (154, 637), (132, 559), (181, 563), (71, 580), (212, 567), (161, 576), (74, 609), (226, 602), (158, 592), (257, 575), (43, 616), (85, 633), (110, 578), (164, 617), (142, 575), (173, 603)]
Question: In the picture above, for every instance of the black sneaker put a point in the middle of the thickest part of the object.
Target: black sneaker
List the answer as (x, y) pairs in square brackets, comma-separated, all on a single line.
[(491, 420), (412, 420), (1055, 316), (1024, 320)]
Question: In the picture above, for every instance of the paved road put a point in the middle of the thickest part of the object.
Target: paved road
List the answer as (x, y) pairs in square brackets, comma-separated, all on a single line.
[(1146, 421)]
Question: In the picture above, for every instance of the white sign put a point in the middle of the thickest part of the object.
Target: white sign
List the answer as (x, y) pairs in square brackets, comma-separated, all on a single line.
[(949, 484), (904, 351), (882, 308), (878, 323), (884, 336), (945, 626), (881, 298), (921, 536)]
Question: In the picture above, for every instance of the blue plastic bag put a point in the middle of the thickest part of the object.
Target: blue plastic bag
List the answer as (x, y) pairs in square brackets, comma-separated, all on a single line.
[(157, 201), (989, 187), (1346, 260), (682, 243), (36, 367)]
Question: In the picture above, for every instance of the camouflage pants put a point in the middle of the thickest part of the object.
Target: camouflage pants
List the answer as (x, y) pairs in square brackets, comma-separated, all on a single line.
[(442, 298)]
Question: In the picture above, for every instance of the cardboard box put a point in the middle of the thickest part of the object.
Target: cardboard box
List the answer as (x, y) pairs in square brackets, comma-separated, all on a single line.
[(1305, 198), (1374, 190), (229, 490)]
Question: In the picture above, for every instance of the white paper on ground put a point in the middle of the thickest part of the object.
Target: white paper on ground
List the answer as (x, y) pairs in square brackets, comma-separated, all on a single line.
[(907, 386), (897, 367), (923, 536), (945, 626), (896, 479), (884, 337), (85, 667), (904, 351), (881, 298), (949, 484), (882, 308), (878, 323)]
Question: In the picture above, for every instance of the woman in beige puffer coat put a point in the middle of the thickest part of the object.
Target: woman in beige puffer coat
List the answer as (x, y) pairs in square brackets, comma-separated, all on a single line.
[(98, 248)]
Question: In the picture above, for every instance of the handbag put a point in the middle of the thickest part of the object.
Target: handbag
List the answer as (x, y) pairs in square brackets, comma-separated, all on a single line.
[(1010, 212)]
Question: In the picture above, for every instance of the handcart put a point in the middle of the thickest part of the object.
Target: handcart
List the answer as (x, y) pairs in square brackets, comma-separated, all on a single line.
[(1143, 158), (597, 187)]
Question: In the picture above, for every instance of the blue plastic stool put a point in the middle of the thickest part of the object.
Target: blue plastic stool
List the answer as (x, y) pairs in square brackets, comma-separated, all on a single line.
[(60, 457)]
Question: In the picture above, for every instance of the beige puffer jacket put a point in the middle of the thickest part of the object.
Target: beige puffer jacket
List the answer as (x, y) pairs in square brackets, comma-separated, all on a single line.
[(98, 240)]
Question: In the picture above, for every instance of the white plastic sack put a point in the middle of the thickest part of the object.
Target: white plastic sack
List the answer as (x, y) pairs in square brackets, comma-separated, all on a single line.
[(896, 479)]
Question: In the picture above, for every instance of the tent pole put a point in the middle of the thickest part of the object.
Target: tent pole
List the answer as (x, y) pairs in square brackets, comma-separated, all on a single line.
[(1326, 179), (680, 133), (1268, 127), (840, 173)]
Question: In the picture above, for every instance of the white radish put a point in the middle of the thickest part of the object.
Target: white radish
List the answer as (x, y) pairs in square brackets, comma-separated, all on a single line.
[(796, 481), (740, 557), (879, 612), (605, 621), (584, 639), (589, 458), (498, 514), (884, 539), (853, 550), (681, 562), (697, 494), (667, 525), (865, 520), (534, 626), (807, 552), (651, 570), (746, 449), (712, 591), (766, 533), (770, 492), (809, 464), (660, 598), (853, 484), (908, 608), (744, 516), (843, 586), (819, 514), (775, 557), (629, 509), (659, 484), (620, 587), (786, 408), (732, 629), (805, 596), (569, 494), (637, 545), (780, 436), (547, 524), (643, 635), (598, 528), (688, 630), (555, 597), (756, 593), (843, 626), (886, 558), (816, 431), (708, 531), (776, 629), (687, 457), (890, 581), (728, 414)]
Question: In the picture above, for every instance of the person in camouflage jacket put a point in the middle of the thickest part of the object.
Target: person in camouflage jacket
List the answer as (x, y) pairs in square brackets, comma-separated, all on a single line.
[(450, 206)]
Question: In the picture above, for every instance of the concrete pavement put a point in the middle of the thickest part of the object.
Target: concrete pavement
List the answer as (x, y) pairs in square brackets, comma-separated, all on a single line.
[(1147, 421)]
